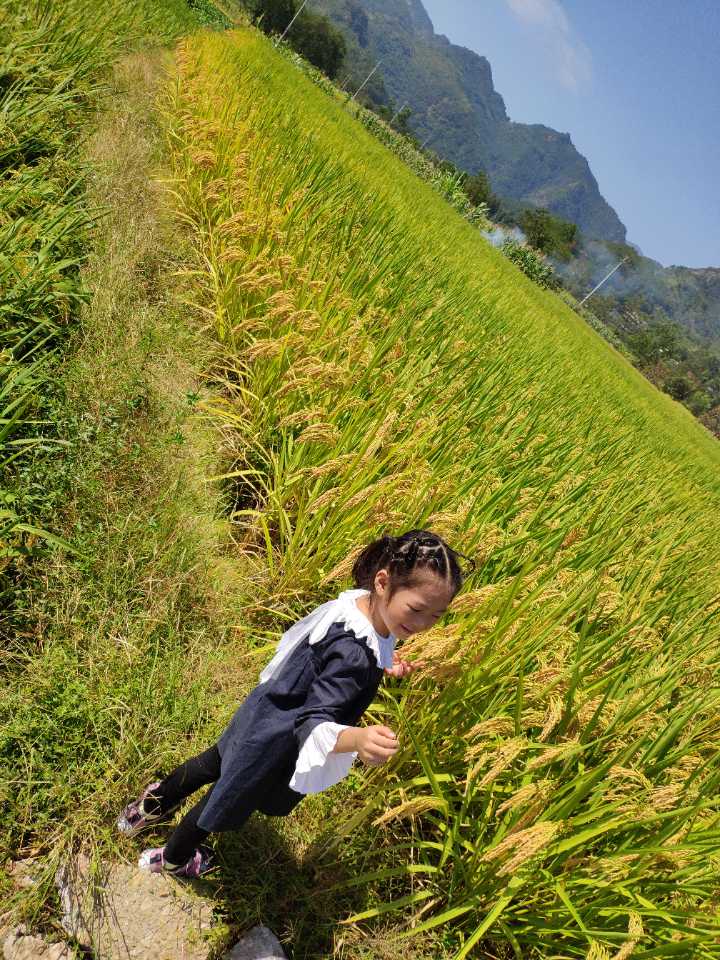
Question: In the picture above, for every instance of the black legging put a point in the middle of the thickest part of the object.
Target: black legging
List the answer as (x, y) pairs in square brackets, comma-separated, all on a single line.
[(184, 780)]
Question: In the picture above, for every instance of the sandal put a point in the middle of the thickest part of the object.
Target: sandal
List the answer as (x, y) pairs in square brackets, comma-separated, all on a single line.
[(200, 863), (135, 818)]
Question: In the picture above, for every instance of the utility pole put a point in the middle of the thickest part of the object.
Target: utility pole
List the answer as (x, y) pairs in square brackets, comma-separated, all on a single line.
[(397, 113), (366, 79), (297, 14), (606, 277)]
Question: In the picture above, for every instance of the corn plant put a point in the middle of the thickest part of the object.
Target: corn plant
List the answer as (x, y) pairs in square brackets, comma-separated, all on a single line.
[(531, 262)]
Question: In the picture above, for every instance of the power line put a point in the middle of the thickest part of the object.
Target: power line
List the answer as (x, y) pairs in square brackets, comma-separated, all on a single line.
[(397, 114), (297, 14), (366, 79), (607, 277)]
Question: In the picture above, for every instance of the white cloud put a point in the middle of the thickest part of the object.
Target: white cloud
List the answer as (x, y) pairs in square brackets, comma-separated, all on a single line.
[(570, 56)]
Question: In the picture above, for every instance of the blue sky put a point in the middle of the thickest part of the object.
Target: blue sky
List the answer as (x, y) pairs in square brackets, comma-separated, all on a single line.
[(636, 84)]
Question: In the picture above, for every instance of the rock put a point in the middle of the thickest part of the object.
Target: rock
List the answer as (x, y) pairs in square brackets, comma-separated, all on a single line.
[(259, 944), (123, 913), (24, 873), (21, 945)]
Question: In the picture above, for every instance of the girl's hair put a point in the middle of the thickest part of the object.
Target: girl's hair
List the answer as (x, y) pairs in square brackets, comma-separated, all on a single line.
[(404, 556)]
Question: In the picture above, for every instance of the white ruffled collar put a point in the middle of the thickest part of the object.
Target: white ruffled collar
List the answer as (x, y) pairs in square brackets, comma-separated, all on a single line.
[(315, 625), (361, 626)]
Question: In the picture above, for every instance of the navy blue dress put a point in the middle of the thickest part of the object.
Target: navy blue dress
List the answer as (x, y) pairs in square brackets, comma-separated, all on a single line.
[(335, 678)]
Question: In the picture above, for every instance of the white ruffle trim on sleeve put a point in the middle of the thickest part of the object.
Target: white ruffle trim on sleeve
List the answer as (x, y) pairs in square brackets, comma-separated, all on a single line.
[(317, 768)]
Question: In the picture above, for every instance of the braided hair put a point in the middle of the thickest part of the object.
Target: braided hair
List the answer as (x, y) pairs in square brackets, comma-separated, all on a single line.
[(404, 556)]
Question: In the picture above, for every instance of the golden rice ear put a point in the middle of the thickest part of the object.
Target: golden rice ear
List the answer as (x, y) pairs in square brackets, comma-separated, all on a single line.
[(597, 952), (635, 931), (344, 568), (411, 808), (522, 846)]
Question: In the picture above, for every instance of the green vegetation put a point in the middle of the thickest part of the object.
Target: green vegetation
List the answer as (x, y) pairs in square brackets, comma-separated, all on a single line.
[(311, 35), (318, 349), (531, 262), (557, 790), (208, 15), (549, 234), (52, 69), (685, 366), (479, 189), (688, 296)]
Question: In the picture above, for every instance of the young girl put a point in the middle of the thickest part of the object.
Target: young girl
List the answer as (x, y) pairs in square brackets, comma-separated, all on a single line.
[(295, 732)]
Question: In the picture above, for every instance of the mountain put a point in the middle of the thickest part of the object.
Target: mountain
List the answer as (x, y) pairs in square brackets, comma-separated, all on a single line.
[(688, 295), (458, 112)]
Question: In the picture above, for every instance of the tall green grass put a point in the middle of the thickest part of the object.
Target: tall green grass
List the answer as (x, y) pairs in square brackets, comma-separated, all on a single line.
[(556, 794), (53, 68)]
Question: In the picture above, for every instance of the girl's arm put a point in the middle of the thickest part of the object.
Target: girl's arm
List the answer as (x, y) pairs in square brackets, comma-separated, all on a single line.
[(344, 678)]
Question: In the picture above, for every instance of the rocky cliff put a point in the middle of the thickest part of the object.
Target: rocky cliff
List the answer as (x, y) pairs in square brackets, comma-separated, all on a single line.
[(458, 112)]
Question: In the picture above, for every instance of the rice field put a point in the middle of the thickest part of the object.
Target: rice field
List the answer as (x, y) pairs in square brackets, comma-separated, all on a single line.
[(557, 791)]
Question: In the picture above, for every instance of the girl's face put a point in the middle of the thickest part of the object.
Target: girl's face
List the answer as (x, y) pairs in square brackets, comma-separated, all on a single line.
[(411, 609)]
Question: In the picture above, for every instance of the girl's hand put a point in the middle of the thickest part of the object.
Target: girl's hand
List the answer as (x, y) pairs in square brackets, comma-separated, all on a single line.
[(376, 744), (402, 668)]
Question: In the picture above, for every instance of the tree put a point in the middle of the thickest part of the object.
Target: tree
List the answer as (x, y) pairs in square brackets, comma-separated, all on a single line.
[(679, 387), (313, 36), (401, 120), (623, 251), (273, 15), (359, 24), (549, 234), (477, 187), (658, 340), (699, 402)]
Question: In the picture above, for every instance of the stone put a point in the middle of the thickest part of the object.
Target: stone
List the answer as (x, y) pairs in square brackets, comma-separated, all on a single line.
[(259, 944), (123, 913), (19, 944), (24, 873)]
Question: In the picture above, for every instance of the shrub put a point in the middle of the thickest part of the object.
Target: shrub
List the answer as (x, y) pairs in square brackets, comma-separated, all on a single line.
[(208, 14)]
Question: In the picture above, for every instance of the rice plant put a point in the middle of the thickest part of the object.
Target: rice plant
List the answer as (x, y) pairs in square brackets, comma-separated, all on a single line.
[(557, 790)]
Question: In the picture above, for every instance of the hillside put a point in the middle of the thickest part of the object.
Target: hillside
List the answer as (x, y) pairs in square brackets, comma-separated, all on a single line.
[(394, 369), (458, 112), (282, 343), (688, 295)]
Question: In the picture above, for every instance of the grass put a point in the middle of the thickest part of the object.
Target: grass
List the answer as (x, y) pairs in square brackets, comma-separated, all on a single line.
[(558, 785), (316, 350), (52, 73)]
